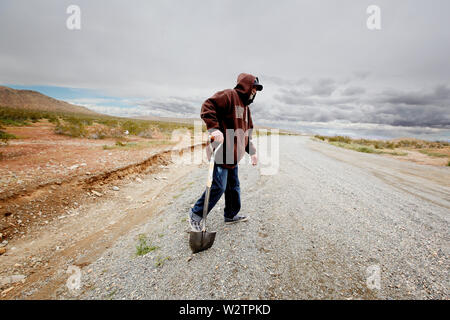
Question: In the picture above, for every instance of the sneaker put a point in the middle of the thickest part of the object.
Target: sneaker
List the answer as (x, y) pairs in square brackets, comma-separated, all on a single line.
[(236, 218), (195, 222)]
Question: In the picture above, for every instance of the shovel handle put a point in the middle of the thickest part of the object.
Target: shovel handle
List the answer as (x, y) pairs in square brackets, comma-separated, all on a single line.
[(209, 182)]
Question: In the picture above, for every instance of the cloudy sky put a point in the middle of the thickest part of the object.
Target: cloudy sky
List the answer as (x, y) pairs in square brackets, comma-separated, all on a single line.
[(323, 70)]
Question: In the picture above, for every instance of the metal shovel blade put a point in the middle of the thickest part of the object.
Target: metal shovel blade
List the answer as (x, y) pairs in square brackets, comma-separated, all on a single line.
[(199, 241)]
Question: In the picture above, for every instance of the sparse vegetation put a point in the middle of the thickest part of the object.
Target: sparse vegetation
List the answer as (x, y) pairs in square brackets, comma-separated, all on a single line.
[(366, 150), (160, 261), (111, 294), (433, 154), (340, 139), (142, 248), (121, 143), (395, 153), (137, 145), (382, 147), (23, 117), (448, 164), (355, 147), (92, 126), (5, 137), (71, 128), (381, 144), (320, 137)]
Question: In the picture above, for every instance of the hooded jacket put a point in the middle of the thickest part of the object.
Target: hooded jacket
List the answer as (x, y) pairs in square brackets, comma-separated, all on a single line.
[(228, 111)]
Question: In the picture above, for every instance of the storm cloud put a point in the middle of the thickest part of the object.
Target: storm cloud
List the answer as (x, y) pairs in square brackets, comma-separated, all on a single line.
[(427, 108), (317, 60)]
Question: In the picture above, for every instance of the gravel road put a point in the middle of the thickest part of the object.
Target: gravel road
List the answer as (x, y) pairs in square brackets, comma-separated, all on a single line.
[(327, 222)]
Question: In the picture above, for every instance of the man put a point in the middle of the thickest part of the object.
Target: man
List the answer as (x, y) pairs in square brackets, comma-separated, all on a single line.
[(228, 119)]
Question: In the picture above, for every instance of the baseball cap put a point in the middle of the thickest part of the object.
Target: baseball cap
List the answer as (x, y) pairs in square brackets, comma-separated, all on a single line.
[(256, 84)]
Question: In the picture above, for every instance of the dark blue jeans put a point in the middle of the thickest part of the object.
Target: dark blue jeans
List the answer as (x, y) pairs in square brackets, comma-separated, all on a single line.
[(224, 181)]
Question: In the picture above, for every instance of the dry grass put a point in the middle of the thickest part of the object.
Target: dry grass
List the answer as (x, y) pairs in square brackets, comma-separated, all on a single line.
[(5, 137), (388, 144), (433, 154), (92, 126), (397, 147), (137, 145), (365, 149)]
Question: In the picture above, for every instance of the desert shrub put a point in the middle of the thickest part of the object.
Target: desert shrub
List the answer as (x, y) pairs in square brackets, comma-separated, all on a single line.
[(71, 129), (101, 131), (120, 143), (340, 139), (378, 145), (77, 121), (365, 149), (402, 143), (5, 137), (21, 117), (109, 122), (390, 145), (12, 117), (362, 142), (53, 119), (320, 137), (134, 127)]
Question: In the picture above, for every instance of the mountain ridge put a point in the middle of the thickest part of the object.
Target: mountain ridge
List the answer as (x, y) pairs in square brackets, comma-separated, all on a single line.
[(34, 100)]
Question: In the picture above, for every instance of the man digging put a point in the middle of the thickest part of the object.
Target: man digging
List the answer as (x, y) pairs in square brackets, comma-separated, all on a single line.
[(228, 120)]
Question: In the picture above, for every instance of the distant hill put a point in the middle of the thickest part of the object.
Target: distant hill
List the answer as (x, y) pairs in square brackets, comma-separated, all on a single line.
[(33, 100)]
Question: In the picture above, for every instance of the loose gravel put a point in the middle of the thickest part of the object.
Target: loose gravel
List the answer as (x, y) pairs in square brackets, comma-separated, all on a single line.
[(321, 228)]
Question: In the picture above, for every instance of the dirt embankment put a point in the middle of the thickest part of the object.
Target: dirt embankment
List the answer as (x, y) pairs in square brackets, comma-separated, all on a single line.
[(44, 176), (52, 188)]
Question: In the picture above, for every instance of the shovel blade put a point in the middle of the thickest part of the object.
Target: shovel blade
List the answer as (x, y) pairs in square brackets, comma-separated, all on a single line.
[(199, 241)]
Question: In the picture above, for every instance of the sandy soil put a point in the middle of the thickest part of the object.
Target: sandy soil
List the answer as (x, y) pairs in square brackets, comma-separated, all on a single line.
[(44, 175), (418, 157), (39, 152), (47, 182)]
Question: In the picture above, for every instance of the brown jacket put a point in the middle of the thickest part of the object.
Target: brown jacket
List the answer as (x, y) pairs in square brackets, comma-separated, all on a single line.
[(228, 111)]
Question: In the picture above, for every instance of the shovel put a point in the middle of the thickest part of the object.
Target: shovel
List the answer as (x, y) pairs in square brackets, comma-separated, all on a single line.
[(203, 240)]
